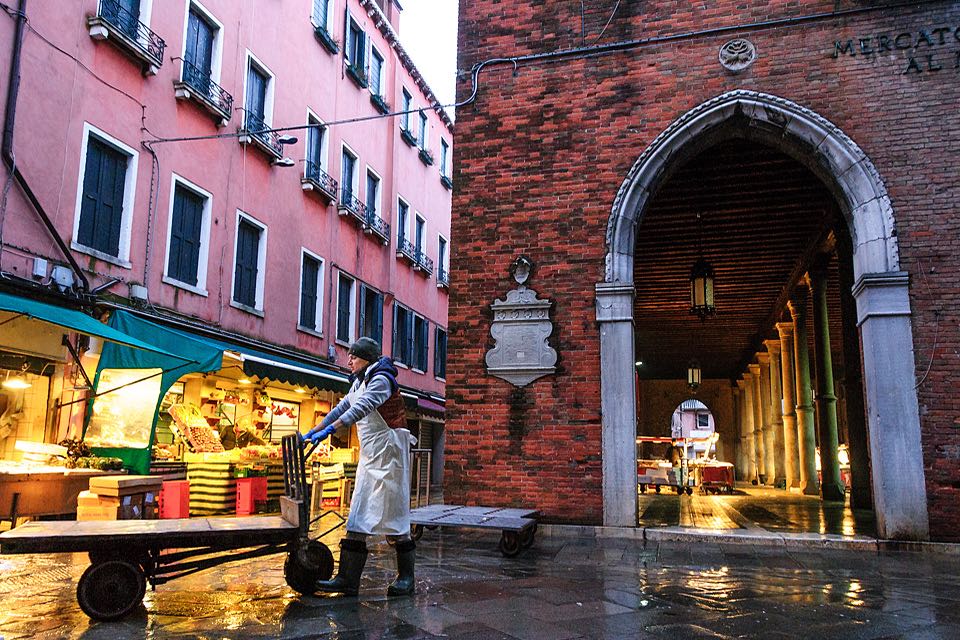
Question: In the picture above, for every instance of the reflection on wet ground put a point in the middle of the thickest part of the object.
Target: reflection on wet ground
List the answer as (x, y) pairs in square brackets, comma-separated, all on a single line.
[(753, 507), (560, 588)]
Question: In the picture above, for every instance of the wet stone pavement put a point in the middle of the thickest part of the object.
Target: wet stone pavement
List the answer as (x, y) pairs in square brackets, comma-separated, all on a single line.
[(561, 588)]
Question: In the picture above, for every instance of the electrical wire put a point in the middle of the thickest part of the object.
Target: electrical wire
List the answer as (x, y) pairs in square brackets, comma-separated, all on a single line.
[(609, 20), (936, 328)]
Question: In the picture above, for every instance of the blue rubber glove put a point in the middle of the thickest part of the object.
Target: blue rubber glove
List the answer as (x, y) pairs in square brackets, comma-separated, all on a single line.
[(321, 435)]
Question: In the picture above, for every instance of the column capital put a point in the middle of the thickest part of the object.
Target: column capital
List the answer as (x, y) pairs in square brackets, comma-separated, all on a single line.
[(763, 358), (773, 347), (754, 370), (798, 306), (882, 294), (614, 302), (785, 329), (741, 384)]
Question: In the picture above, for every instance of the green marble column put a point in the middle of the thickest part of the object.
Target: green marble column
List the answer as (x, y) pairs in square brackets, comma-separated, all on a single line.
[(831, 486)]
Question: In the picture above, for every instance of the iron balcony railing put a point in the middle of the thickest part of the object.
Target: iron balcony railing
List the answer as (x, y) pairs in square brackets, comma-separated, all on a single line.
[(377, 225), (321, 179), (257, 129), (418, 258), (118, 18), (443, 278), (207, 90), (352, 205)]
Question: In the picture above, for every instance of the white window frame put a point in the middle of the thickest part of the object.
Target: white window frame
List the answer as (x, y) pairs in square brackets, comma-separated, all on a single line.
[(423, 126), (129, 197), (271, 86), (324, 144), (346, 41), (257, 309), (318, 329), (406, 106), (417, 217), (216, 57), (379, 199), (444, 158), (353, 310), (371, 50), (330, 11), (355, 179), (405, 228), (444, 263), (201, 288)]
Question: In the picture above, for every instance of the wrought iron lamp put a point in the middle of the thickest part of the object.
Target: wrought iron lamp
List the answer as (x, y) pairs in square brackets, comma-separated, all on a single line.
[(701, 281), (693, 376)]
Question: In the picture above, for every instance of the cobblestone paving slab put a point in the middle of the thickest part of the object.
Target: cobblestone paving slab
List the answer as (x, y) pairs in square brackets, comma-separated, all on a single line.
[(560, 589)]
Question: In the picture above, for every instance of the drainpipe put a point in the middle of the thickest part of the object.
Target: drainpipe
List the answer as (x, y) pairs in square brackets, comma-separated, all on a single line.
[(9, 118)]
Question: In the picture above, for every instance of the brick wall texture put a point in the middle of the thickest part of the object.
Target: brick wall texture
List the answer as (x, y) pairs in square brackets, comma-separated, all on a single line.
[(545, 147)]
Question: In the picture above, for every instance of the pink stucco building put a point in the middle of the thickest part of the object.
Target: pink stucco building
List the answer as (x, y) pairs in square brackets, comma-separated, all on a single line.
[(144, 130)]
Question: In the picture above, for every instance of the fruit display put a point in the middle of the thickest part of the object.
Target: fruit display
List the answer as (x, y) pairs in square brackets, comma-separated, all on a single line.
[(193, 427)]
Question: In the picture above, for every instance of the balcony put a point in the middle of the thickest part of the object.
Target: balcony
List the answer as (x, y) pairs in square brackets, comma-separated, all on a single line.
[(358, 75), (408, 136), (113, 22), (256, 131), (379, 103), (417, 259), (195, 84), (316, 179), (326, 39), (443, 278), (377, 226), (425, 157), (350, 205)]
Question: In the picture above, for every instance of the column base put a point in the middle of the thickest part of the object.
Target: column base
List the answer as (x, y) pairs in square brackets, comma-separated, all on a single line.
[(833, 492), (811, 490), (860, 498)]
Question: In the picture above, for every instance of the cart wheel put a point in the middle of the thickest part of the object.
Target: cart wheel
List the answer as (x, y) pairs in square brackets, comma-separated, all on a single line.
[(527, 536), (432, 527), (656, 488), (305, 565), (416, 531), (510, 543), (643, 488), (689, 491), (111, 589)]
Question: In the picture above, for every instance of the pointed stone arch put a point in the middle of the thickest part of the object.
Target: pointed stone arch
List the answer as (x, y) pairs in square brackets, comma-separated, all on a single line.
[(881, 291)]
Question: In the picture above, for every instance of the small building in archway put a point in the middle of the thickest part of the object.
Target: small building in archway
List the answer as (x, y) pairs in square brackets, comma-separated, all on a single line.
[(799, 150)]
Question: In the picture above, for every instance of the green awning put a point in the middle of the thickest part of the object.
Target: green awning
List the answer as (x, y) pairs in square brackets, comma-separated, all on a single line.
[(74, 321)]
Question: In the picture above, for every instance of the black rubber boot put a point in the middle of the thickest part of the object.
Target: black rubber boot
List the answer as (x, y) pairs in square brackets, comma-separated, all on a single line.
[(353, 555), (405, 583)]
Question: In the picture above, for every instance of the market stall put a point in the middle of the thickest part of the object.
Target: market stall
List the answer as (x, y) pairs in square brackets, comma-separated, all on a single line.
[(217, 420)]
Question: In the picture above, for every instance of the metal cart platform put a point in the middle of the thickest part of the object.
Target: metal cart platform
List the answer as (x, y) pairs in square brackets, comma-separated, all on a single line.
[(518, 526), (127, 554)]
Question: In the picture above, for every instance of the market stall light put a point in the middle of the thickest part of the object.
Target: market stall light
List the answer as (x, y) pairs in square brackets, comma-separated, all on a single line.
[(16, 383), (701, 281), (299, 390), (244, 380)]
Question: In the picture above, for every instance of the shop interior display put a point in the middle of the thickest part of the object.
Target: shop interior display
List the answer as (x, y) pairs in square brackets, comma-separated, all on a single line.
[(193, 428)]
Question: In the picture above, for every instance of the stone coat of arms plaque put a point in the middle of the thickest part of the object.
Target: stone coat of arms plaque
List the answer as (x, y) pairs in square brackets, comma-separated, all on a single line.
[(521, 326)]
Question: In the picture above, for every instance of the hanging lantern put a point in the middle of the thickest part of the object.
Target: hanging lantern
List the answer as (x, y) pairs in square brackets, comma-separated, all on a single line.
[(701, 289), (693, 375)]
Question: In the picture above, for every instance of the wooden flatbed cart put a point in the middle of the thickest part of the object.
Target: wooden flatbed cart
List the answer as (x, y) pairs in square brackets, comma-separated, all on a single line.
[(518, 526), (125, 555)]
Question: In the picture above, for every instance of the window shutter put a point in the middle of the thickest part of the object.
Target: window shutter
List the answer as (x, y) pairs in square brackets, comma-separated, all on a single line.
[(248, 241), (378, 318), (408, 341), (394, 349), (363, 310)]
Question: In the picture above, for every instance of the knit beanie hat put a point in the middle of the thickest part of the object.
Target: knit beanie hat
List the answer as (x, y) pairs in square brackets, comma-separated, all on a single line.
[(366, 348)]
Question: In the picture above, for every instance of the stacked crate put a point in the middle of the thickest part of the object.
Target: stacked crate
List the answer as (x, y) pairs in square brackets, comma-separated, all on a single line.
[(120, 497)]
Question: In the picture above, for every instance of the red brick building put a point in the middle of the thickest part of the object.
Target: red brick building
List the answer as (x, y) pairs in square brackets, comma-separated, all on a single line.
[(805, 151)]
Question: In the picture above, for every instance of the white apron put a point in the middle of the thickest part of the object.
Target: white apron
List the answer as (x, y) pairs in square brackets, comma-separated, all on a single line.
[(381, 497)]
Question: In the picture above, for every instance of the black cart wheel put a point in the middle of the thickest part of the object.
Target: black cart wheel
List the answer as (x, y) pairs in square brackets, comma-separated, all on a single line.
[(510, 543), (307, 564), (527, 536), (111, 589), (689, 491), (656, 488), (643, 488), (416, 531)]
